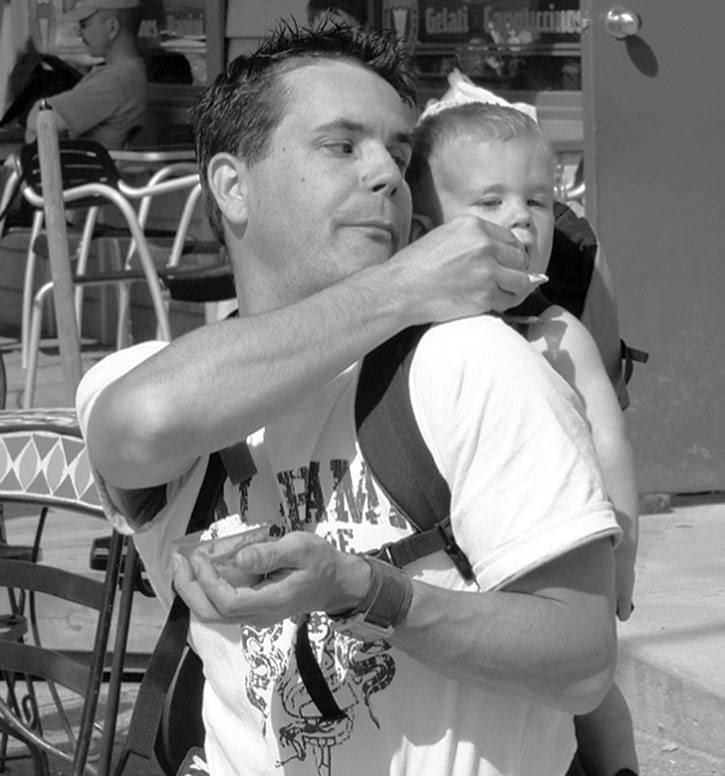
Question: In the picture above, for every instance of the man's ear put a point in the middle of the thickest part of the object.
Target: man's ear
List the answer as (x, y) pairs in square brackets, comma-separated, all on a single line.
[(114, 27), (420, 224), (227, 177)]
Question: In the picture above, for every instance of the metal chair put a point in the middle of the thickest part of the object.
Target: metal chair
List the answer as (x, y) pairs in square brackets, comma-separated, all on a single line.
[(43, 461), (26, 223), (91, 179), (84, 163), (3, 383)]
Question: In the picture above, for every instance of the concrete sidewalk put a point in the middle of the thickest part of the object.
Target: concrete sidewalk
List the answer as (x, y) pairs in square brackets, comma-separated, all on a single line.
[(671, 665), (671, 668)]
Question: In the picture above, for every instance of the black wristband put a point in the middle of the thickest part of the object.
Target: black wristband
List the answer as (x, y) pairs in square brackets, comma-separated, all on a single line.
[(385, 605)]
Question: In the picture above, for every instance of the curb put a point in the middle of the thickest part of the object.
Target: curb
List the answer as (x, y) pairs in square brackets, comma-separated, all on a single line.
[(669, 706)]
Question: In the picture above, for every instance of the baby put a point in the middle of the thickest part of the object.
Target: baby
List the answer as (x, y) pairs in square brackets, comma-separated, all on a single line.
[(494, 162)]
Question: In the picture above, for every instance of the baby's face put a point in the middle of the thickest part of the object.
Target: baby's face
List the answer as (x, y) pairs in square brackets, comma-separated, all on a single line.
[(508, 182)]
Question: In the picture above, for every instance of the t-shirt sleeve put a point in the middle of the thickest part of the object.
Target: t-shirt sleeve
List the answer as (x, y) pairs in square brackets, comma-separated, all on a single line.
[(91, 101), (511, 439), (99, 377)]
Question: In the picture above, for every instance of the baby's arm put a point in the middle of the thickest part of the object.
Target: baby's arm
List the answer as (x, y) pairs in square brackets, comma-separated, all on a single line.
[(601, 320), (571, 350)]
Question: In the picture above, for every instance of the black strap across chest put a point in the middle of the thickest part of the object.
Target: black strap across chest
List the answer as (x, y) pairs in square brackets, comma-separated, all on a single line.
[(153, 693), (394, 450)]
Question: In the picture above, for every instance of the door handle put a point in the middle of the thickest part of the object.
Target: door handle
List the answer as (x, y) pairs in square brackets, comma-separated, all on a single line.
[(622, 23)]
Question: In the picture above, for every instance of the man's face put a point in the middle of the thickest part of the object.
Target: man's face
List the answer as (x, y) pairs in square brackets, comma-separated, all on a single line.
[(510, 183), (330, 197), (96, 33)]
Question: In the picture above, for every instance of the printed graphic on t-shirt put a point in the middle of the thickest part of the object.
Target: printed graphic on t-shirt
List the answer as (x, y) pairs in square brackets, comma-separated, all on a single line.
[(354, 672), (343, 509)]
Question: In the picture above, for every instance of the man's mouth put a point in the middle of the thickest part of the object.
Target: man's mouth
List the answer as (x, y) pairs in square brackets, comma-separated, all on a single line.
[(384, 230)]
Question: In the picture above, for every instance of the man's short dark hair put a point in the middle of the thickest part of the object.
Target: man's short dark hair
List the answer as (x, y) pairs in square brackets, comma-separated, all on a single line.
[(358, 9), (238, 113)]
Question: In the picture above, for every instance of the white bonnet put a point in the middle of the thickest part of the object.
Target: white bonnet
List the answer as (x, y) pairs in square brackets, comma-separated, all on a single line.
[(462, 90)]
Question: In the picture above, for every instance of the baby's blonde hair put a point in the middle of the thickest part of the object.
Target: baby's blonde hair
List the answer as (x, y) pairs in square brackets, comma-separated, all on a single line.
[(486, 121)]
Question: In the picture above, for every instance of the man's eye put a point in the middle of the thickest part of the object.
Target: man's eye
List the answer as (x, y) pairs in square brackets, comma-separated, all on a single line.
[(342, 147)]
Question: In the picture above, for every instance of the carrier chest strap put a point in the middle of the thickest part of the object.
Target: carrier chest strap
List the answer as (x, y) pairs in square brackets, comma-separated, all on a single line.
[(423, 543), (397, 455)]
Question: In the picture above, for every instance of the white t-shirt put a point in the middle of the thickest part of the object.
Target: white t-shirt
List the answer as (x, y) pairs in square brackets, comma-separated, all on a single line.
[(509, 437)]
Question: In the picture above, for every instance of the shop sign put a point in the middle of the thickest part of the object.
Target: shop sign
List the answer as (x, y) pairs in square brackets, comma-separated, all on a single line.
[(402, 17), (504, 22)]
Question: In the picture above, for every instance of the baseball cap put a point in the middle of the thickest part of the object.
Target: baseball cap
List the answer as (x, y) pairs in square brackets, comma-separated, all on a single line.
[(85, 8)]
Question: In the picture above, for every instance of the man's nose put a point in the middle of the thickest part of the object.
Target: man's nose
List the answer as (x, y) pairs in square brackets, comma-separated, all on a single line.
[(382, 174)]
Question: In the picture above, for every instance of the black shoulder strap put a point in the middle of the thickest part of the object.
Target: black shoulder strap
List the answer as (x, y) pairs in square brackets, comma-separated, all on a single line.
[(396, 453), (629, 356), (171, 645), (571, 265)]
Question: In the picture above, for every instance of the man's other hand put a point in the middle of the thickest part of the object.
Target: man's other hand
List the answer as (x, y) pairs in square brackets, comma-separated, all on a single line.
[(303, 573)]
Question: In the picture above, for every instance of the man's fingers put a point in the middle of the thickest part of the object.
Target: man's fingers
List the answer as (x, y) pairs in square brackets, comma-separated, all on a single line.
[(501, 234), (516, 283), (510, 251), (191, 592), (292, 551), (182, 570), (262, 558)]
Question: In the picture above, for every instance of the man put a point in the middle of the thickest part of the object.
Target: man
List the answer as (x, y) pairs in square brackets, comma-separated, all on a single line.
[(110, 101), (306, 187)]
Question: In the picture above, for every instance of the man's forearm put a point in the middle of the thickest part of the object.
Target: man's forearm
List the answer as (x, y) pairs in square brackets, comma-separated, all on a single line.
[(556, 646), (549, 637)]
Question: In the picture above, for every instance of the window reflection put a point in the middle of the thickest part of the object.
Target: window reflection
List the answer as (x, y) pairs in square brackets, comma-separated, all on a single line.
[(173, 34), (511, 45), (172, 38)]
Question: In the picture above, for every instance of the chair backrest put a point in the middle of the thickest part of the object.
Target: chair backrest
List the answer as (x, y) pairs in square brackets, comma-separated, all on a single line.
[(3, 383), (37, 446), (11, 187), (82, 162), (29, 659)]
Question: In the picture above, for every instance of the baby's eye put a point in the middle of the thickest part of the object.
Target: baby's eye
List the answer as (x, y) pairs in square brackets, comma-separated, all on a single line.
[(489, 202), (401, 160), (539, 202)]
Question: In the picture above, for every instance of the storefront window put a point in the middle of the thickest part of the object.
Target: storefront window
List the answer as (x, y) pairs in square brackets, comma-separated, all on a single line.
[(173, 33), (510, 45)]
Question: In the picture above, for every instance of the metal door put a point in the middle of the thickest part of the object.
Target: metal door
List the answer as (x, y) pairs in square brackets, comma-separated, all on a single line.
[(654, 127)]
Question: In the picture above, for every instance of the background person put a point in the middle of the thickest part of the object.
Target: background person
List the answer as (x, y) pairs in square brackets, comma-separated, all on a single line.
[(307, 187), (109, 102)]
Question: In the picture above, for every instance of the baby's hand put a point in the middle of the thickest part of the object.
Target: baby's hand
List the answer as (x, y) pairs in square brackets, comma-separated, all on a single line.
[(623, 585)]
